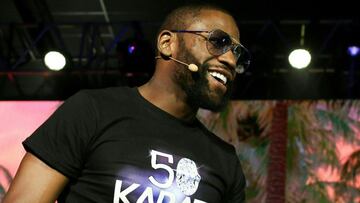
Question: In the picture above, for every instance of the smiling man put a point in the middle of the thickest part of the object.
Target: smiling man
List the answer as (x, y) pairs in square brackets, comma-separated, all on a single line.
[(145, 144)]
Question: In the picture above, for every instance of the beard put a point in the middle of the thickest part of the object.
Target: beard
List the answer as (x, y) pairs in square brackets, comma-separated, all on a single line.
[(196, 84)]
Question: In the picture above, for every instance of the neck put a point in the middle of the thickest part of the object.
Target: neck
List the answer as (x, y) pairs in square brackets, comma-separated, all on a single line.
[(169, 97)]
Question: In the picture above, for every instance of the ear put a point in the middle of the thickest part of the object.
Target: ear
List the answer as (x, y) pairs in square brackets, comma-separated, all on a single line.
[(165, 43)]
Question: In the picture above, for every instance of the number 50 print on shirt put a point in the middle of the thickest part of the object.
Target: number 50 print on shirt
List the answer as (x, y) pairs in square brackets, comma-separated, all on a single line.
[(185, 176)]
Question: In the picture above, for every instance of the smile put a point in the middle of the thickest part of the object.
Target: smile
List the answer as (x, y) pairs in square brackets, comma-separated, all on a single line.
[(219, 77)]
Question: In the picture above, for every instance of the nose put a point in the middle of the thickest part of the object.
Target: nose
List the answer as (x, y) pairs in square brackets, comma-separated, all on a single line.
[(229, 59)]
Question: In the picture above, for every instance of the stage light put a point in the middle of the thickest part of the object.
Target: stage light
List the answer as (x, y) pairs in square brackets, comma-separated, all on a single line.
[(131, 48), (353, 51), (55, 60), (299, 58)]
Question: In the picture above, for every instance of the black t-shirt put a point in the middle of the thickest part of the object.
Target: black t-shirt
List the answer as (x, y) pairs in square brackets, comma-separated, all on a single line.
[(115, 146)]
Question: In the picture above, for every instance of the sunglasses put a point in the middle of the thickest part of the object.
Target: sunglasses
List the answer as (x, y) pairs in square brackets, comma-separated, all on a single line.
[(219, 42)]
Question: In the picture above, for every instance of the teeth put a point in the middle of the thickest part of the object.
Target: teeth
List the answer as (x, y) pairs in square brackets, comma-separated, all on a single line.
[(219, 76)]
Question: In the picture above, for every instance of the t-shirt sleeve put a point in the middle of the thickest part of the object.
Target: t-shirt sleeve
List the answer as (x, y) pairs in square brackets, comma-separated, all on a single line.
[(237, 193), (61, 141)]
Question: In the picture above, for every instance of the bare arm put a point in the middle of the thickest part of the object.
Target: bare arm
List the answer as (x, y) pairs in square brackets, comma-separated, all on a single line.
[(35, 182)]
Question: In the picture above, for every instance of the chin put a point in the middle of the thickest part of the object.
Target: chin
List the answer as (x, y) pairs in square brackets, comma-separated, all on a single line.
[(217, 108), (215, 105)]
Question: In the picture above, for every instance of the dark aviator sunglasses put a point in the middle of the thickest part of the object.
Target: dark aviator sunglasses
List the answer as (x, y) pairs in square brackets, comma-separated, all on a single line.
[(219, 42)]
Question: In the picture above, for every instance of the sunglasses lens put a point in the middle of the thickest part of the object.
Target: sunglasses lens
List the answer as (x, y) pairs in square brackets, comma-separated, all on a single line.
[(243, 58), (219, 42)]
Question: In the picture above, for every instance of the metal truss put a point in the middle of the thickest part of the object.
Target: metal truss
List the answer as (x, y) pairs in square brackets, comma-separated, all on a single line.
[(95, 59)]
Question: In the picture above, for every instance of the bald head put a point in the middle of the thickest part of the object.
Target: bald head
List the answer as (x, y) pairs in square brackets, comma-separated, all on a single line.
[(185, 17), (182, 17)]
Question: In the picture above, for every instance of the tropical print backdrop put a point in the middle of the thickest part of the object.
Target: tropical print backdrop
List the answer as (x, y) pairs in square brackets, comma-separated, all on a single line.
[(294, 151), (291, 151)]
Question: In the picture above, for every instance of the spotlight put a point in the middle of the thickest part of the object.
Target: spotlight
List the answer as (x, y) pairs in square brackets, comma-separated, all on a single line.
[(299, 58), (131, 48), (353, 51), (55, 60)]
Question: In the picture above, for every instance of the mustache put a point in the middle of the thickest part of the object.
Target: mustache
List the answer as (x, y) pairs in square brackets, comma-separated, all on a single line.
[(207, 64)]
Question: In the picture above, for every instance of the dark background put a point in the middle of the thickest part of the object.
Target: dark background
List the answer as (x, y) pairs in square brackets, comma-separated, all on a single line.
[(95, 34)]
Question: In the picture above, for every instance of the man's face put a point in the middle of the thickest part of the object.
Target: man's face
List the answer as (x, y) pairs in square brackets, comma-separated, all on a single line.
[(202, 88)]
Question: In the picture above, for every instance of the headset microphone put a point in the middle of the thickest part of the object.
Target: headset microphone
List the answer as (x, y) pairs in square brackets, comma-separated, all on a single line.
[(192, 67)]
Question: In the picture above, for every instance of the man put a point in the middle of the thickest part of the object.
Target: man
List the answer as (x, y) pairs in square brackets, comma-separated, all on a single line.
[(145, 144)]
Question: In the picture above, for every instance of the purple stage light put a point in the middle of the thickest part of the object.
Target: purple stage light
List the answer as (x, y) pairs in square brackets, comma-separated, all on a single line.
[(353, 51), (131, 49)]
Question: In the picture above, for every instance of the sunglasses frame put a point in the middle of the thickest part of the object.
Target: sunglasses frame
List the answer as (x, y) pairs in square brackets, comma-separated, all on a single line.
[(244, 64)]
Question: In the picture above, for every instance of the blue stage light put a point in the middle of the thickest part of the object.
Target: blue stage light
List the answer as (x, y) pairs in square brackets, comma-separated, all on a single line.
[(353, 51)]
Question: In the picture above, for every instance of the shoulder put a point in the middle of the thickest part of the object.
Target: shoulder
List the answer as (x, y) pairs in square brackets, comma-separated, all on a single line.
[(109, 104), (105, 96), (107, 93)]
